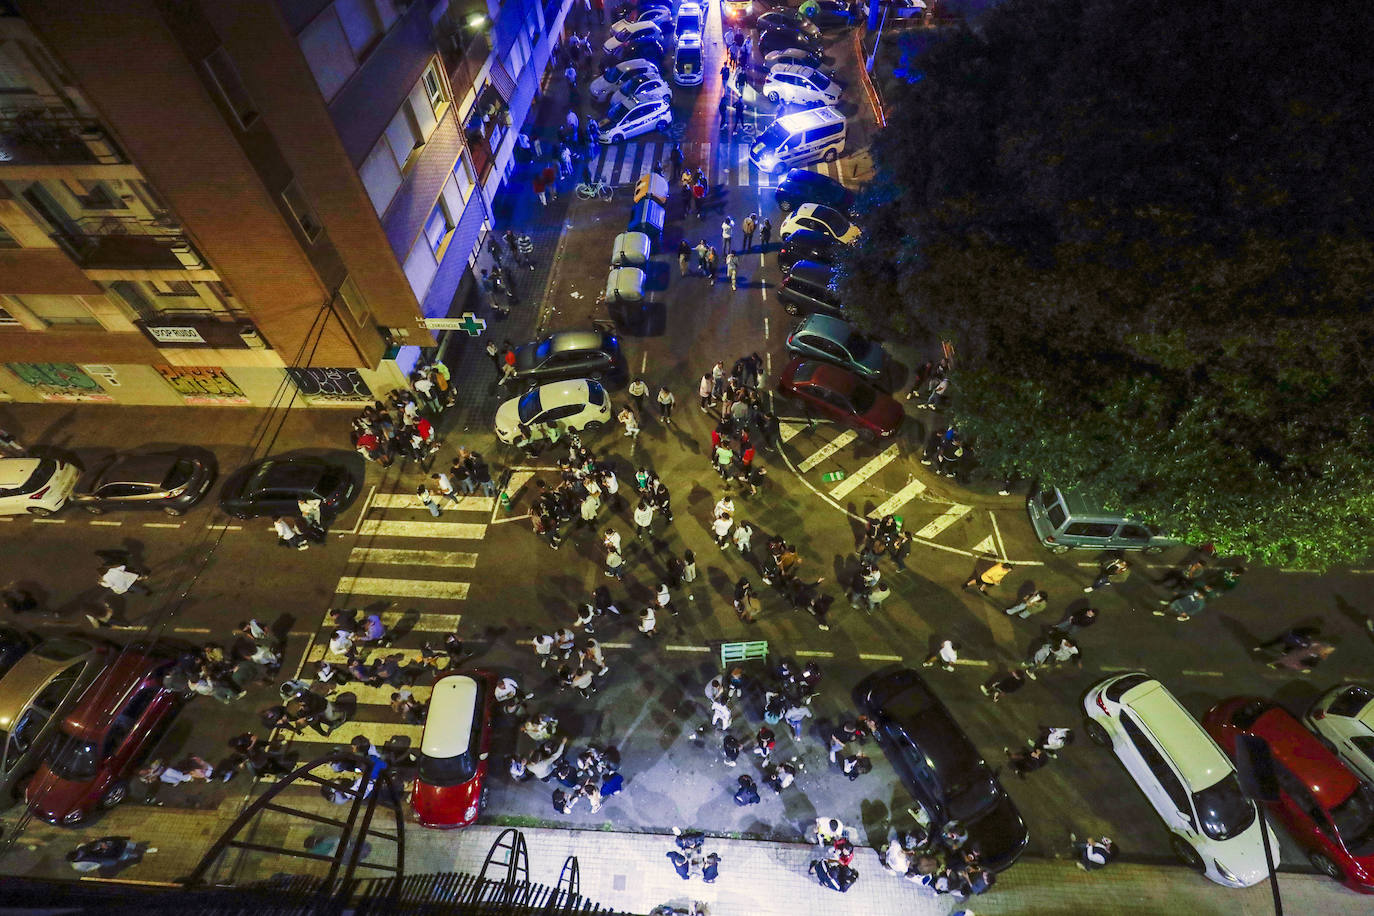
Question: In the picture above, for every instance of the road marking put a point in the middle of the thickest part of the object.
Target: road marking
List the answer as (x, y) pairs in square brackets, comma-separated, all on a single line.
[(1115, 668), (367, 506), (688, 648), (379, 733), (628, 165), (420, 623), (461, 530), (162, 524), (320, 652), (808, 653), (871, 467), (191, 630), (63, 521), (906, 494), (607, 164), (643, 362), (787, 430), (997, 533), (975, 662), (381, 696), (830, 448), (615, 645), (108, 524), (648, 156), (401, 588), (398, 557), (871, 657), (943, 521), (411, 501), (986, 547), (765, 327), (743, 178), (1203, 673)]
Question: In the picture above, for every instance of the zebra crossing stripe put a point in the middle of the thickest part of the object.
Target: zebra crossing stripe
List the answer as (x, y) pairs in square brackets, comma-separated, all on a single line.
[(411, 501), (903, 496), (786, 431), (444, 558), (607, 168), (871, 467), (943, 521), (401, 588), (830, 448), (470, 531), (379, 733), (765, 180), (320, 652), (743, 173), (650, 157), (421, 623), (381, 696), (627, 164)]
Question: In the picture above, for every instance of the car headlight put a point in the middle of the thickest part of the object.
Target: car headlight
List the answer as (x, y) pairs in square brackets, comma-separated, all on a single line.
[(1226, 873), (471, 812), (74, 817)]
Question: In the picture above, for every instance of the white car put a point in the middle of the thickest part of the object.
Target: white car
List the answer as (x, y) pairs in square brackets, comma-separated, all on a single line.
[(610, 81), (622, 123), (572, 404), (792, 56), (822, 219), (1186, 777), (689, 19), (1344, 719), (800, 84), (625, 31), (658, 16), (38, 486), (644, 88), (688, 67)]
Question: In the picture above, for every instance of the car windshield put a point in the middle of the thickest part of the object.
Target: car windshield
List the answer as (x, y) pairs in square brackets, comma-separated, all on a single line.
[(1354, 820), (179, 475), (820, 81), (530, 406), (615, 113), (858, 346), (689, 22), (774, 137), (542, 351), (837, 224), (447, 771), (1351, 701), (596, 395), (72, 758), (1224, 810), (45, 469), (259, 476)]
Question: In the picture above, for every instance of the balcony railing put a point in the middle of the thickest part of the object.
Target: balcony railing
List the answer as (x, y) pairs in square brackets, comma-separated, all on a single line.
[(129, 252), (43, 135)]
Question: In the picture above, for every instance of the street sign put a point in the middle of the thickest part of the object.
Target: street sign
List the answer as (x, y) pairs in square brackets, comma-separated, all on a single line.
[(468, 323)]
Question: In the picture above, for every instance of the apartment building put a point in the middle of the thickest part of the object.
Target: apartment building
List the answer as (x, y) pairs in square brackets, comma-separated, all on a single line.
[(245, 202)]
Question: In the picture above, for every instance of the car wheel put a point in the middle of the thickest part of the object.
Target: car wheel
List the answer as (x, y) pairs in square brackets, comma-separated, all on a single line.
[(114, 795), (1186, 853), (95, 510), (20, 790), (1322, 863), (1096, 733), (173, 511), (593, 426), (1056, 548), (785, 206), (774, 97), (831, 155), (39, 511), (1153, 551), (617, 136)]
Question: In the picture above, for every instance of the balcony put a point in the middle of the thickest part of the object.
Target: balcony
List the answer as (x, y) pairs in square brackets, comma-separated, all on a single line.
[(119, 243), (53, 135), (462, 35)]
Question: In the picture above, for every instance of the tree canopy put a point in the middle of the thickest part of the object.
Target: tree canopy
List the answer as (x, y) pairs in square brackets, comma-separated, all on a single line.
[(1146, 228)]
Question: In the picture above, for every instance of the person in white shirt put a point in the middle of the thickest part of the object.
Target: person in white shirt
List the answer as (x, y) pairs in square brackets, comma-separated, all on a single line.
[(647, 622), (744, 532), (721, 529), (445, 487), (643, 519), (122, 580), (290, 534), (724, 506), (612, 540)]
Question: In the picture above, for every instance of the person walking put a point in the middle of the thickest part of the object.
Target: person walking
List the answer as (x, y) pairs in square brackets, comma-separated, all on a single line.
[(720, 527), (684, 257), (712, 264), (1094, 854), (1077, 620), (748, 791), (1114, 572), (647, 622), (287, 533), (644, 519), (631, 424), (727, 232), (594, 657), (445, 488), (748, 228), (721, 717), (1052, 651), (946, 655), (732, 269), (795, 716), (615, 565), (765, 234), (665, 405), (639, 390), (1026, 761), (704, 390), (427, 500), (701, 251), (1183, 606), (1031, 604), (988, 578)]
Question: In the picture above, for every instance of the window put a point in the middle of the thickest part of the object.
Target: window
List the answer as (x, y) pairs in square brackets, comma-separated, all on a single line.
[(7, 241), (7, 320), (59, 310), (380, 176), (466, 181), (353, 298), (439, 229), (1091, 530), (295, 202), (434, 87), (1364, 744), (1159, 767), (327, 53), (1134, 532), (403, 134), (94, 195), (231, 87), (420, 268), (361, 24)]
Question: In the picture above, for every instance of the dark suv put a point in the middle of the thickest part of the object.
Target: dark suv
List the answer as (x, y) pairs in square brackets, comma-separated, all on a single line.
[(568, 354), (802, 186), (940, 766)]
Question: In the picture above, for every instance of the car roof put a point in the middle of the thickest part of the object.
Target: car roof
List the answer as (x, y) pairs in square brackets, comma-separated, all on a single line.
[(808, 176), (30, 675), (14, 471), (147, 469), (289, 472), (931, 727), (811, 117), (452, 708), (1183, 738), (822, 212), (94, 712), (568, 391), (832, 377), (827, 326), (1326, 777), (563, 341), (689, 41), (793, 68), (817, 272)]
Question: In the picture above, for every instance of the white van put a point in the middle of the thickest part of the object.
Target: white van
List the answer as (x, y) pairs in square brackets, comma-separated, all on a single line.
[(794, 139)]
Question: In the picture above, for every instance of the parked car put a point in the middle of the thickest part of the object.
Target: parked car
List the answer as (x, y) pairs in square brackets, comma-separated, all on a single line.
[(660, 16), (939, 765), (800, 85), (779, 39), (1325, 807), (103, 740), (690, 20), (1063, 521), (837, 341), (35, 693), (808, 287), (806, 245), (655, 4), (626, 31), (802, 186), (14, 645), (171, 483), (38, 486), (822, 219), (791, 54), (650, 49), (641, 89), (832, 14), (572, 404), (622, 122), (274, 486), (790, 21), (1214, 828), (568, 354), (611, 79), (454, 747), (842, 396), (687, 63), (1344, 719)]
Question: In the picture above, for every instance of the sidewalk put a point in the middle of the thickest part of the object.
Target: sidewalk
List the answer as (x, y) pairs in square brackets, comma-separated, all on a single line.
[(629, 872)]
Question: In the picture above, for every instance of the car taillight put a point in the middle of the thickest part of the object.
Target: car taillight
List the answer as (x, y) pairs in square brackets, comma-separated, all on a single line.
[(1319, 715), (39, 493), (1101, 705)]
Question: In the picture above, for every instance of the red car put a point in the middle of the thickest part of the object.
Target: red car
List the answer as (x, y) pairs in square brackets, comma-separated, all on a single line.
[(106, 736), (453, 751), (842, 396), (1324, 807)]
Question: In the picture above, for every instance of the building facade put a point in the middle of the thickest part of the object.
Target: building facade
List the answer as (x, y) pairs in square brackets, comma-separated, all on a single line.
[(247, 202)]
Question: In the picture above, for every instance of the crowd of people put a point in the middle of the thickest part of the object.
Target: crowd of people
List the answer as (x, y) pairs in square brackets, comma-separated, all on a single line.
[(403, 426)]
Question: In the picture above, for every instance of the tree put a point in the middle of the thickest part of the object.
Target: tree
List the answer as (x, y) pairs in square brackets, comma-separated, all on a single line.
[(1149, 238)]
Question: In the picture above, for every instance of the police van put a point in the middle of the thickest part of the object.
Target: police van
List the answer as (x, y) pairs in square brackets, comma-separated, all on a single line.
[(794, 139)]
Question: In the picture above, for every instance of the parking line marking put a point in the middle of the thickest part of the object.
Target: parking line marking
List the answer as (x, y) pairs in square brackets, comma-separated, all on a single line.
[(379, 733), (809, 653), (830, 448), (401, 557), (906, 494), (975, 662), (872, 657), (943, 521), (688, 648), (191, 630), (54, 521), (997, 533), (105, 523), (411, 501), (462, 530), (1203, 673), (1112, 669), (401, 588), (615, 645), (787, 430), (861, 476), (162, 524)]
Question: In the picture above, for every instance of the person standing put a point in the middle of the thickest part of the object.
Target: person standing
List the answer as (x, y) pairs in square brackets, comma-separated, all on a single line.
[(989, 578), (639, 390), (720, 527), (665, 405), (704, 391), (684, 256), (615, 565), (712, 264), (647, 622), (721, 717), (795, 716), (727, 232), (946, 655), (627, 418), (644, 519), (765, 234), (427, 500), (289, 534), (732, 269), (312, 513), (748, 227), (543, 648)]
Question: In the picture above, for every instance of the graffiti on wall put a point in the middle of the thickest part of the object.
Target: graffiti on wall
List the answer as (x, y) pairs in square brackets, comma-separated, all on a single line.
[(336, 385), (202, 384), (59, 381)]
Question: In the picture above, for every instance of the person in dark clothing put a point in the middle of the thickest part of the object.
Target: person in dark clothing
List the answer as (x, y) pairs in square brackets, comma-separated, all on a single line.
[(1026, 761), (747, 793), (1292, 638), (1010, 682)]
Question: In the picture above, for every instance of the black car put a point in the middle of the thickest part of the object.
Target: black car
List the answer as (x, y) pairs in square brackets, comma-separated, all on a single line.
[(568, 354), (273, 486), (832, 14), (171, 483), (808, 287), (806, 245), (649, 49), (940, 766), (776, 39), (801, 186), (788, 20)]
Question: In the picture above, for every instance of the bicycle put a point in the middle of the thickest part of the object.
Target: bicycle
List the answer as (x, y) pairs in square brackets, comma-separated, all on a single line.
[(598, 188)]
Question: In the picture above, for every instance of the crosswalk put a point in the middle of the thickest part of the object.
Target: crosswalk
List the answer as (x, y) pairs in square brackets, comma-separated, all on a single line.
[(418, 568), (724, 163)]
